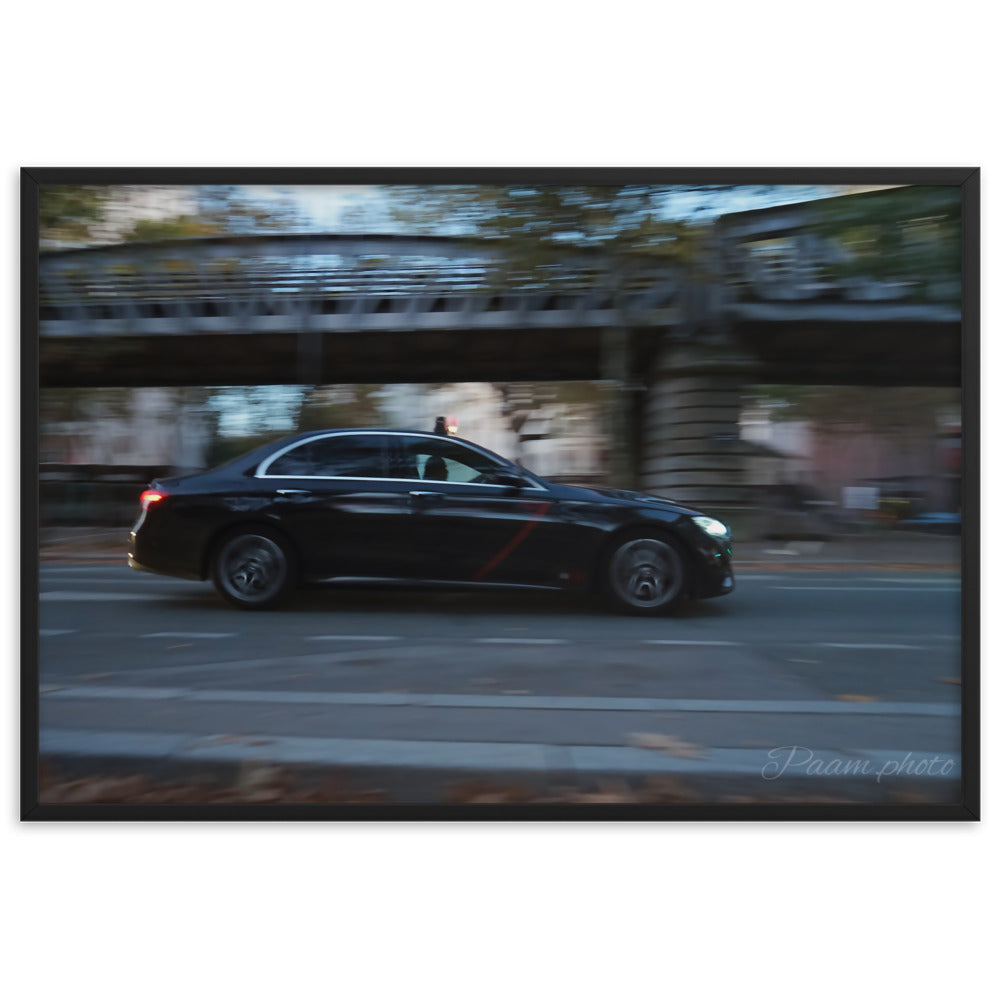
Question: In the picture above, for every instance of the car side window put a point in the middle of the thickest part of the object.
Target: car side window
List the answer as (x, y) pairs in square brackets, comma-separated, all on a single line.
[(443, 460), (358, 456)]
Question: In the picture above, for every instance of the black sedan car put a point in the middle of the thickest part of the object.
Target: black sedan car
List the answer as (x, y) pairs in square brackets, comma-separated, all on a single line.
[(341, 505)]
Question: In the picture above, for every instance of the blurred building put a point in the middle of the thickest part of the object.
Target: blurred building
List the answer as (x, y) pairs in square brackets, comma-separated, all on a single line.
[(161, 427), (565, 441), (521, 421), (916, 469), (780, 450), (477, 405)]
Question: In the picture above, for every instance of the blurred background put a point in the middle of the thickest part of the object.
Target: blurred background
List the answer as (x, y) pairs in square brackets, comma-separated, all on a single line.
[(786, 357)]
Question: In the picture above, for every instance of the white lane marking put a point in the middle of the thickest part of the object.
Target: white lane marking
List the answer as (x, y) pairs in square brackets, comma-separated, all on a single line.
[(357, 638), (866, 645), (188, 635), (898, 590), (570, 703), (524, 642), (545, 642), (73, 595), (915, 636), (68, 581), (690, 642), (923, 580)]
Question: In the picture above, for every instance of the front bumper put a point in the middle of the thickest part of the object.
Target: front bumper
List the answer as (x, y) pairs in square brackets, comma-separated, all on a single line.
[(715, 571)]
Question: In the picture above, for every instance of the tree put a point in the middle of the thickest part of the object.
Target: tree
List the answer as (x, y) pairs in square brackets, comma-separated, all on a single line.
[(80, 214), (854, 408), (340, 406), (222, 210), (909, 234), (540, 224), (68, 213)]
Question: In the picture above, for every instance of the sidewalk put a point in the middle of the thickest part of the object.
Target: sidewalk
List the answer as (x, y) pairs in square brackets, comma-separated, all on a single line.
[(84, 543), (902, 550), (425, 771), (886, 549), (426, 745)]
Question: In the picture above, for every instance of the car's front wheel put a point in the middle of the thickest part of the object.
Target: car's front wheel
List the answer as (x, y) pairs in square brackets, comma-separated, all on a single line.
[(645, 575), (252, 569)]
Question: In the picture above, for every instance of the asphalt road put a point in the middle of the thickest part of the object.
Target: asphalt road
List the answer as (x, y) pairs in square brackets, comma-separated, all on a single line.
[(853, 658)]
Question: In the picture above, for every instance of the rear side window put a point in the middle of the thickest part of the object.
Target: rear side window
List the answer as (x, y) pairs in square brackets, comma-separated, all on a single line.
[(359, 456)]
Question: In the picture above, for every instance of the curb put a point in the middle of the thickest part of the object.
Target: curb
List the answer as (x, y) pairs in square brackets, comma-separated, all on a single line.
[(80, 557), (407, 771)]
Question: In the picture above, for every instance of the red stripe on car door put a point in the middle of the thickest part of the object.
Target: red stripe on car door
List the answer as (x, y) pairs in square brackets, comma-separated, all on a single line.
[(540, 510)]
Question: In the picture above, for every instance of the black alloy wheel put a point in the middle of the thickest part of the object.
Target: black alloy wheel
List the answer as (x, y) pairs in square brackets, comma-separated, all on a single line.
[(645, 575), (252, 569)]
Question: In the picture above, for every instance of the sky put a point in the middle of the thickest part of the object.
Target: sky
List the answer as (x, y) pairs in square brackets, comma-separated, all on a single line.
[(323, 207)]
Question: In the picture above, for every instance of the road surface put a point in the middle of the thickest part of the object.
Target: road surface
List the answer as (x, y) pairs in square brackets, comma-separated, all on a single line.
[(850, 661)]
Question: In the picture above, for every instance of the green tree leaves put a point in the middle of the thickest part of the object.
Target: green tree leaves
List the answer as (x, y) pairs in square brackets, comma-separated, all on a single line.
[(906, 234), (68, 212)]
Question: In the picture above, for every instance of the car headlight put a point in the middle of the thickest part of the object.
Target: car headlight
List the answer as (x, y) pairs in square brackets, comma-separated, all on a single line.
[(711, 527)]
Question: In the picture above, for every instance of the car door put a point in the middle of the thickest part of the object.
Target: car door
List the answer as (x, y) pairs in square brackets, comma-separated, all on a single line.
[(466, 525), (334, 496)]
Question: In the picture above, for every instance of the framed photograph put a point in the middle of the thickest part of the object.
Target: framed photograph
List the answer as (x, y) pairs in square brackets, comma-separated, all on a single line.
[(500, 494)]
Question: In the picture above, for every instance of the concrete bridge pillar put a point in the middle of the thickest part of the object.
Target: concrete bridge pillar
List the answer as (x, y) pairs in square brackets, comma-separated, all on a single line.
[(691, 448)]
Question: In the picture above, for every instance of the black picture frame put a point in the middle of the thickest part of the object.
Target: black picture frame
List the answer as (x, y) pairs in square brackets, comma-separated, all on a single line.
[(968, 805)]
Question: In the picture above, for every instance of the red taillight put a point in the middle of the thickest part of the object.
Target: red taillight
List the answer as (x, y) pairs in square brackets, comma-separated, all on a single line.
[(148, 497)]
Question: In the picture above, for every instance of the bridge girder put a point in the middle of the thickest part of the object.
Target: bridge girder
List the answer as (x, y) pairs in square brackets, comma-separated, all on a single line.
[(322, 309)]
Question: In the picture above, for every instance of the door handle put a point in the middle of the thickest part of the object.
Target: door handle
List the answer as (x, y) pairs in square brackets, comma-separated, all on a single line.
[(286, 493), (427, 495)]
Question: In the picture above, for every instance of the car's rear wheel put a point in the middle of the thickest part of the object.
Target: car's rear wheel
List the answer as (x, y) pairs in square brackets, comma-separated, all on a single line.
[(252, 569), (645, 574)]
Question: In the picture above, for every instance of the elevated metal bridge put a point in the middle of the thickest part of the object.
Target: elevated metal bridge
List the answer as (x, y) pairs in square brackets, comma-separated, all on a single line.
[(321, 309)]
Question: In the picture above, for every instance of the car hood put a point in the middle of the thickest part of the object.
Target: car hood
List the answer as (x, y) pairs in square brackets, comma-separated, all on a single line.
[(624, 496)]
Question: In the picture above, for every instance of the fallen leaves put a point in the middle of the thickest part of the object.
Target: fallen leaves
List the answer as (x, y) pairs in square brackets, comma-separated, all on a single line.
[(480, 792), (667, 744), (237, 739), (255, 785), (263, 784)]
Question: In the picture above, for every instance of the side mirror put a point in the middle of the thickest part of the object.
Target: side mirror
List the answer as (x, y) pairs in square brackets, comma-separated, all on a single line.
[(510, 479)]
